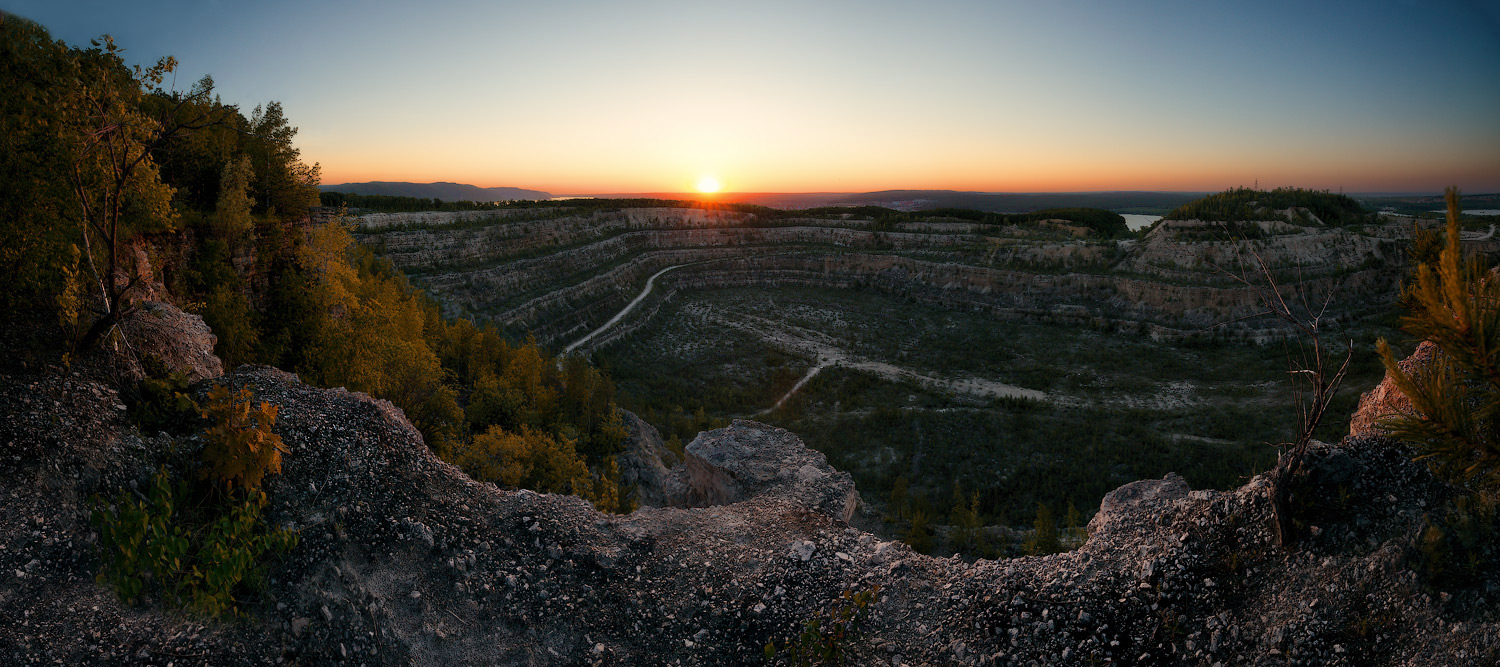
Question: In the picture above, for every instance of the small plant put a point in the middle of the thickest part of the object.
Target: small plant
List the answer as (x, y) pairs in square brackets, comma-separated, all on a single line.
[(240, 447), (1455, 304), (194, 559), (199, 547), (161, 401), (826, 637)]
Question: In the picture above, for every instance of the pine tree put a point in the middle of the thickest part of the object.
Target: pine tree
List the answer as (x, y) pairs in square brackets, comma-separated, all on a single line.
[(1455, 304)]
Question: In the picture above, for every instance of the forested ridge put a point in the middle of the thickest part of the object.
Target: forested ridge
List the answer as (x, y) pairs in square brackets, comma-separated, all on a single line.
[(106, 167)]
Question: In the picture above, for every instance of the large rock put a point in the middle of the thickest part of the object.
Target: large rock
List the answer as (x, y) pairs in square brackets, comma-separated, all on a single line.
[(641, 465), (182, 340), (748, 459), (1386, 399), (1137, 498)]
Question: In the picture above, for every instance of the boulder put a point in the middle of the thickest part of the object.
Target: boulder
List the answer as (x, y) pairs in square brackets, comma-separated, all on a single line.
[(748, 459), (182, 340), (1137, 498)]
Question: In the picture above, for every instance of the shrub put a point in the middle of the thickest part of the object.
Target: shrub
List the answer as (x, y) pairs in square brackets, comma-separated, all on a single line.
[(240, 447), (825, 638), (160, 402), (200, 560)]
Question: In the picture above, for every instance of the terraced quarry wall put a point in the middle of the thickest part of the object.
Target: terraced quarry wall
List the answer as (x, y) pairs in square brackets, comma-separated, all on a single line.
[(560, 274)]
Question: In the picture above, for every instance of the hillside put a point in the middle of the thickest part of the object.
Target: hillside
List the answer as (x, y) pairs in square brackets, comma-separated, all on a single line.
[(403, 559), (453, 192), (923, 350)]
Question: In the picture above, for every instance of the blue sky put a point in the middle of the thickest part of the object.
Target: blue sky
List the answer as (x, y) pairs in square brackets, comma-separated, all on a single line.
[(850, 96)]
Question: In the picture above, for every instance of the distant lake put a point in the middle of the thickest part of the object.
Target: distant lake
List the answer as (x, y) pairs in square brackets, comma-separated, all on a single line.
[(1137, 222), (1475, 211)]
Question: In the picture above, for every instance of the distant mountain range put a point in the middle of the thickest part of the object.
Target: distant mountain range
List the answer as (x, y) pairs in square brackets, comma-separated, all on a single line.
[(443, 191), (1024, 202), (916, 200)]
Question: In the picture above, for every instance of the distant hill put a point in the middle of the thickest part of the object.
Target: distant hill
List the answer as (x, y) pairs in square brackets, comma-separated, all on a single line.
[(443, 191), (1155, 203), (1124, 201), (1240, 204)]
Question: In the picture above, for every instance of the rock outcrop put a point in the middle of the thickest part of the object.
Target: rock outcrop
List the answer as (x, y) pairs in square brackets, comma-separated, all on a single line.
[(749, 459), (643, 467), (182, 340), (1386, 399), (405, 560)]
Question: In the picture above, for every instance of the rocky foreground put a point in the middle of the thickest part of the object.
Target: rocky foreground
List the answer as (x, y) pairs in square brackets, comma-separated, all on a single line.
[(405, 560)]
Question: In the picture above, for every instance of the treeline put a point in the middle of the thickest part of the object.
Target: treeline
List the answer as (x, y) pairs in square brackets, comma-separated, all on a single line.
[(1104, 223), (1249, 204), (102, 165), (400, 204)]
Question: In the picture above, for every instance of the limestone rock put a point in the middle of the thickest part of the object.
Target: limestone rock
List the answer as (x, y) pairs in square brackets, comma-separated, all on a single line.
[(182, 340), (1137, 497), (1386, 398), (641, 465), (748, 459)]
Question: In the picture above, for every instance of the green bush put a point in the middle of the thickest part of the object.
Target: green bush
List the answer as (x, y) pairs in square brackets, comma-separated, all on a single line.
[(161, 402), (195, 559), (825, 638), (197, 547)]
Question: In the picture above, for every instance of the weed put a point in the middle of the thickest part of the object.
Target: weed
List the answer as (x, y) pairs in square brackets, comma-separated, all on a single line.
[(827, 636)]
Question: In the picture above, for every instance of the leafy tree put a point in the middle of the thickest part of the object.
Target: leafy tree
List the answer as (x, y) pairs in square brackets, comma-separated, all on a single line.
[(283, 184), (115, 184), (232, 210)]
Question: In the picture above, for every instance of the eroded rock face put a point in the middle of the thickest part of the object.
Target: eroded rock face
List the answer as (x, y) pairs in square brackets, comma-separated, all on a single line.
[(748, 459), (642, 466), (1386, 399), (182, 340)]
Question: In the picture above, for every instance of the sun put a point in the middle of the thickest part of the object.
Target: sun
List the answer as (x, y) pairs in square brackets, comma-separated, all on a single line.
[(708, 185)]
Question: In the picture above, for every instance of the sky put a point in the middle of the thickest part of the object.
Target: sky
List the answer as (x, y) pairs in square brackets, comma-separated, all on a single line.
[(807, 96)]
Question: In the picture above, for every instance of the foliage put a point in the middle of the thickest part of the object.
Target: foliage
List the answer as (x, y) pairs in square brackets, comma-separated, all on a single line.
[(1455, 304), (160, 401), (200, 559), (1249, 204), (239, 446), (1043, 538), (537, 460), (826, 637), (918, 534), (1459, 546), (968, 533)]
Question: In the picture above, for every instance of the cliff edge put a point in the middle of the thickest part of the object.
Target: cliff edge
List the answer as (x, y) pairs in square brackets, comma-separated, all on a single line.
[(405, 560)]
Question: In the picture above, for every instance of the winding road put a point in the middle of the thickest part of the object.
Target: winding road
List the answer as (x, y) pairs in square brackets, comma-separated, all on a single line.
[(623, 312)]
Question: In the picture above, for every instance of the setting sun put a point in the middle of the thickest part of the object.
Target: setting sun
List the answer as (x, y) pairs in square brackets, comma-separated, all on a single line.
[(708, 185)]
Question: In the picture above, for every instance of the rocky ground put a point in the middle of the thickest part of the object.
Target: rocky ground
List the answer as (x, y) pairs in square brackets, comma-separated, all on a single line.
[(405, 560)]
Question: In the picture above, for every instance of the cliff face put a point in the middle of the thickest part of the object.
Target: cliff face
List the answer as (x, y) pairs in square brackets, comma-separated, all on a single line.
[(404, 559), (562, 276)]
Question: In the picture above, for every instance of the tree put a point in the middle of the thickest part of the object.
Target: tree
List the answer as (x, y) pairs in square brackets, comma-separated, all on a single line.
[(115, 184), (1043, 539), (232, 211), (283, 184), (1455, 304)]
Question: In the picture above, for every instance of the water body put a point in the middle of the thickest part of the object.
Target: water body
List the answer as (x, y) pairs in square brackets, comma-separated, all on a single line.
[(1476, 211), (1137, 222)]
